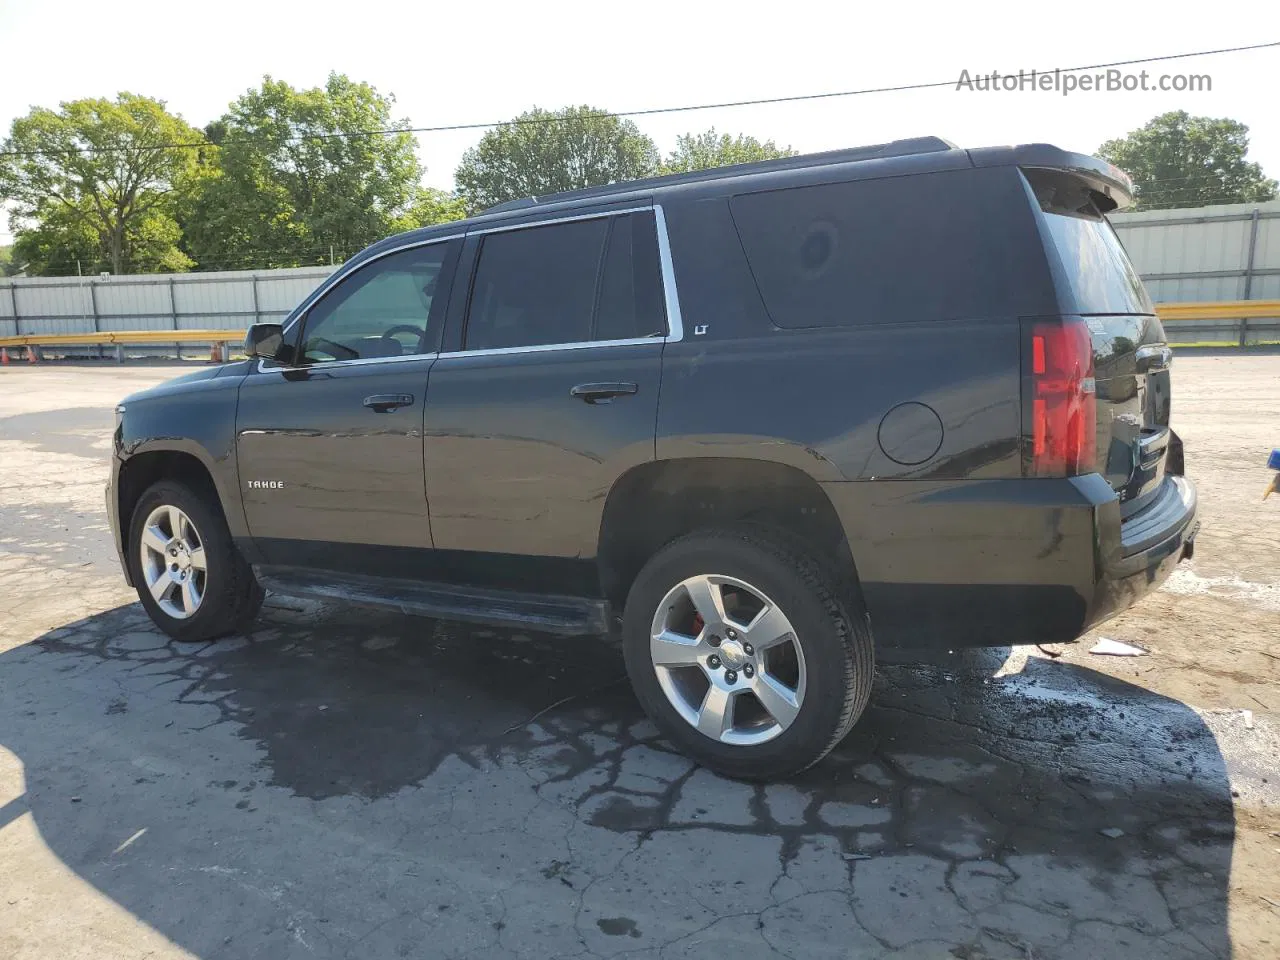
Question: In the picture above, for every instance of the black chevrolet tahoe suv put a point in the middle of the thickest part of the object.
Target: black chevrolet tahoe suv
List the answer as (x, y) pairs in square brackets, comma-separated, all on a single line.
[(756, 416)]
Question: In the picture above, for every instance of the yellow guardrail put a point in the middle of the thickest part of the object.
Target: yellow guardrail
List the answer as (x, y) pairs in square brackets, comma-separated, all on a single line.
[(1221, 310), (108, 337), (1168, 312)]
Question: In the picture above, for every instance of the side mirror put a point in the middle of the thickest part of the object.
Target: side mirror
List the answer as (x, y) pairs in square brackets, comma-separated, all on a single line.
[(265, 340)]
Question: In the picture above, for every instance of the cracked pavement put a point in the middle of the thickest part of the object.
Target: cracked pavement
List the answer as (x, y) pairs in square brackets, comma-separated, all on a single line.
[(348, 783)]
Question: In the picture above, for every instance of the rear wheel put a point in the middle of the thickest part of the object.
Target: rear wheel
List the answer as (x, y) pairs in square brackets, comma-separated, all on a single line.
[(189, 576), (745, 654)]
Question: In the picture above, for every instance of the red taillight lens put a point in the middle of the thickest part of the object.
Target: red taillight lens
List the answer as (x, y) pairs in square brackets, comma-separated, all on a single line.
[(1064, 405)]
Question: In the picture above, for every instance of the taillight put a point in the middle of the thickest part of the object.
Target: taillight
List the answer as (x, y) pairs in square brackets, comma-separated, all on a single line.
[(1064, 404)]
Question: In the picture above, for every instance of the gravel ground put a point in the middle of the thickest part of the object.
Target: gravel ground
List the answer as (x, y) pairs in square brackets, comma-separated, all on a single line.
[(342, 783)]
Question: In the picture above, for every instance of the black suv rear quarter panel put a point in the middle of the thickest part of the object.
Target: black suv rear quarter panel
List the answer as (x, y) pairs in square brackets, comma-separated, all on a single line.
[(956, 549)]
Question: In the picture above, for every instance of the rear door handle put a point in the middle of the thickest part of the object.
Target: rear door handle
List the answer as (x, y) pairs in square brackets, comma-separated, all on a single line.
[(383, 402), (602, 392)]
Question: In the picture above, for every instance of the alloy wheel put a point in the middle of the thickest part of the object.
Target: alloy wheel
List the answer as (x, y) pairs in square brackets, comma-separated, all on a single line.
[(173, 562), (728, 659)]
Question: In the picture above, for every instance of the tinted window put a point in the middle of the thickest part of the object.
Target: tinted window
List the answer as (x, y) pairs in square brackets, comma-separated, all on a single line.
[(631, 286), (382, 310), (1094, 265), (927, 247), (536, 286)]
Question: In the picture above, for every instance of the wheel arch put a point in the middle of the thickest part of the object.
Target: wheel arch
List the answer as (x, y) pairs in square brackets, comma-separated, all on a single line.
[(148, 463), (655, 503)]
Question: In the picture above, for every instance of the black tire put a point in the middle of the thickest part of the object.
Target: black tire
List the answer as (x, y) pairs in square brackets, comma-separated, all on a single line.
[(232, 596), (834, 638)]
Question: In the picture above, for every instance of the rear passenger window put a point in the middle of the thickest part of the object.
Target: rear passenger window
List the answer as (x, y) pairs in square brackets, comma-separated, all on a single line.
[(574, 282), (928, 247), (631, 285), (536, 286)]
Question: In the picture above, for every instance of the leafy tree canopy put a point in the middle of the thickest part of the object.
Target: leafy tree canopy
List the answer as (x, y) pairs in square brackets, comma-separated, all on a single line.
[(298, 173), (548, 151), (701, 151), (430, 207), (97, 179), (1178, 160)]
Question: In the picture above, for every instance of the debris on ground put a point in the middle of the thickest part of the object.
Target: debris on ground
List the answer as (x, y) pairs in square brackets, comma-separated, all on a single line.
[(1117, 648), (1248, 719), (1048, 651), (1112, 833), (857, 856)]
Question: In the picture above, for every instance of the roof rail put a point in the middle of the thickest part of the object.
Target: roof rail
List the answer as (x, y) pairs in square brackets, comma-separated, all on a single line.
[(896, 148)]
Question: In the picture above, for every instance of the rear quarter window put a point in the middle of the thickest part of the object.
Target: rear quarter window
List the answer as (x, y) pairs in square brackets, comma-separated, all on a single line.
[(1093, 269), (939, 246)]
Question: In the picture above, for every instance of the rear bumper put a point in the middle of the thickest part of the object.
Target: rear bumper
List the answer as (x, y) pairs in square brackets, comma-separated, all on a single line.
[(1151, 544), (1001, 562)]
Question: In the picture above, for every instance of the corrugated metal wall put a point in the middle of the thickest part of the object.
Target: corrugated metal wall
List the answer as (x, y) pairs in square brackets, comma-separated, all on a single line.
[(1223, 252), (1226, 252), (182, 301)]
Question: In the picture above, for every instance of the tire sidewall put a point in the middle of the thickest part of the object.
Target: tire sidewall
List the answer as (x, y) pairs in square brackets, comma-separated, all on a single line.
[(821, 637), (215, 540)]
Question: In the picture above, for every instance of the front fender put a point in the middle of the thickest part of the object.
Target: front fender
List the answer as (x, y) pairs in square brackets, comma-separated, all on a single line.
[(197, 418)]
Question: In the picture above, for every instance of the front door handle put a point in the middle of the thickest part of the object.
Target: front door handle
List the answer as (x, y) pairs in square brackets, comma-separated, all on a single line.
[(383, 402), (602, 392)]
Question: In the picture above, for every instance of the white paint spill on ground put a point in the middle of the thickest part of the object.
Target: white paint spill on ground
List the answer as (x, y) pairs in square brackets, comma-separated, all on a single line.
[(1188, 583)]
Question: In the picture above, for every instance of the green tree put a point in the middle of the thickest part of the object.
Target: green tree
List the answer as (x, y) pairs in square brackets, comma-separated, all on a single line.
[(61, 243), (701, 151), (430, 207), (6, 260), (548, 151), (297, 173), (1177, 160), (101, 168)]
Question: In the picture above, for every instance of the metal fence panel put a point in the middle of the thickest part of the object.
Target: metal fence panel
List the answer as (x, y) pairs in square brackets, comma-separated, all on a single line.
[(1205, 254), (1222, 252), (225, 300)]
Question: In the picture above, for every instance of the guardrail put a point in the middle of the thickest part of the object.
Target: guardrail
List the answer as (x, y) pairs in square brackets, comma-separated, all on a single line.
[(1233, 322), (218, 340)]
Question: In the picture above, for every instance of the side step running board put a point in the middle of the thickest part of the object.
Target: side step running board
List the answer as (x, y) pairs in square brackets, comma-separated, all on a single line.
[(566, 616)]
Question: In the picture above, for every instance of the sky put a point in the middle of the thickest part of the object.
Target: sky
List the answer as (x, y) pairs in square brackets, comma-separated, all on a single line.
[(451, 63)]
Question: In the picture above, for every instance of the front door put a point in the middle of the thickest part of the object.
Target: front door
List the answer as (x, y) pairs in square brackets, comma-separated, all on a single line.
[(551, 398), (330, 446)]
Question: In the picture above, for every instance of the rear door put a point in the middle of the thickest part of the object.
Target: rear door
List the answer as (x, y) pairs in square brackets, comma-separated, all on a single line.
[(1097, 282), (549, 396)]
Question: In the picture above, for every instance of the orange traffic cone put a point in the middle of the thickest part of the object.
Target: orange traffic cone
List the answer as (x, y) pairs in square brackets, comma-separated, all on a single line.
[(4, 356), (215, 352), (32, 355)]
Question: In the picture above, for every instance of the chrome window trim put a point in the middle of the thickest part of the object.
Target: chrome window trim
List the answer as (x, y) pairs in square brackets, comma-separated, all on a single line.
[(675, 322), (671, 298), (529, 224), (546, 347)]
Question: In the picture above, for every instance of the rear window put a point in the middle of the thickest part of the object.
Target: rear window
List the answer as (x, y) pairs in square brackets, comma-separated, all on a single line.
[(1094, 267), (935, 246)]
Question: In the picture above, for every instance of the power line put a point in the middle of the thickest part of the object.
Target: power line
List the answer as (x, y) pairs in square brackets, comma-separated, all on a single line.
[(604, 114)]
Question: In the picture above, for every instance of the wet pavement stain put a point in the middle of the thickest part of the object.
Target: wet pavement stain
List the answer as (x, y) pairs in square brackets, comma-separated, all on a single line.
[(963, 812), (618, 927)]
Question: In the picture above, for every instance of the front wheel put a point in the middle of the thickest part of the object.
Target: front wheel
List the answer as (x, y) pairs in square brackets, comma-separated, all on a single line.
[(745, 654), (188, 573)]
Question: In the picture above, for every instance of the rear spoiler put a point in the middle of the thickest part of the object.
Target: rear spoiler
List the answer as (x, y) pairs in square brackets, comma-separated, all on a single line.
[(1112, 187)]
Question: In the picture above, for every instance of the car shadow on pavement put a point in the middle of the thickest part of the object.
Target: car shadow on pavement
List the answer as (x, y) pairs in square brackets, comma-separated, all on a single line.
[(350, 783)]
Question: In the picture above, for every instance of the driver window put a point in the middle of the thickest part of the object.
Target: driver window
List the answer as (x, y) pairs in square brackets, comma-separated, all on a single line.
[(382, 310)]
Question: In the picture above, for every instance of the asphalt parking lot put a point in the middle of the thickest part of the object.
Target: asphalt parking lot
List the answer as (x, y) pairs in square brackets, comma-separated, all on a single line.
[(341, 783)]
